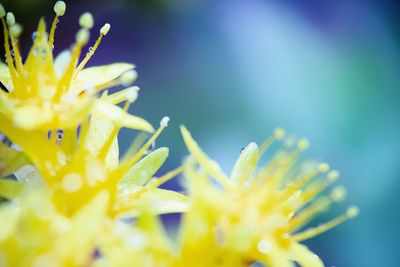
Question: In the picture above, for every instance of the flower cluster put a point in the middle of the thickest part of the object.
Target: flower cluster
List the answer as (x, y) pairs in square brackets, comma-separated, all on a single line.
[(68, 198)]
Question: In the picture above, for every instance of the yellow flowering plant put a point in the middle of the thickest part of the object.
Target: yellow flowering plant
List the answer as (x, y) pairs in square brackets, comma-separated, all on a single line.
[(66, 191)]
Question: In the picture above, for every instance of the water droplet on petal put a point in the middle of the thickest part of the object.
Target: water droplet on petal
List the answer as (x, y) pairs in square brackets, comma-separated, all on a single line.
[(34, 35)]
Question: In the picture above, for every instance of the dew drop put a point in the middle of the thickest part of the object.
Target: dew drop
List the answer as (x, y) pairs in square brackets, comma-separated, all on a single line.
[(151, 148), (264, 246), (34, 35)]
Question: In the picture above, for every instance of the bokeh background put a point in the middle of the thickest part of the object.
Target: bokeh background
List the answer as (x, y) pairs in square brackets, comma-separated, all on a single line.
[(234, 70)]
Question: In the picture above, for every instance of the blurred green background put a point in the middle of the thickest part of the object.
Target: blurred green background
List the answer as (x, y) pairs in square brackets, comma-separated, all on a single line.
[(234, 70)]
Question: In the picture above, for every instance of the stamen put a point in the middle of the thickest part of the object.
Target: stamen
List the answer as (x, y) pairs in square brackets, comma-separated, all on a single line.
[(86, 20), (130, 162), (279, 134), (59, 9), (15, 32), (130, 94), (81, 38), (307, 234), (323, 167), (7, 44), (103, 32), (128, 77), (166, 177), (303, 144), (10, 19), (105, 29)]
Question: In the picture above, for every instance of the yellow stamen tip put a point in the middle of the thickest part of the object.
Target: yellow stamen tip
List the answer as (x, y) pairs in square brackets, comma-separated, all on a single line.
[(82, 37), (164, 122), (2, 11), (323, 167), (333, 175), (279, 133), (131, 95), (10, 19), (338, 194), (59, 8), (303, 144), (86, 20), (15, 30), (352, 212), (104, 30), (128, 77)]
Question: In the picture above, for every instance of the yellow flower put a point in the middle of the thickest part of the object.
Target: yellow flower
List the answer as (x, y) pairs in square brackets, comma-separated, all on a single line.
[(34, 233), (44, 93), (256, 214)]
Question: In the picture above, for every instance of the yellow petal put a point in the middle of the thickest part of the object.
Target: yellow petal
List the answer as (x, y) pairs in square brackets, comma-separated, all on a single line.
[(31, 117), (9, 215), (99, 132), (208, 164), (100, 75), (246, 164), (10, 188), (11, 160), (156, 201), (120, 117)]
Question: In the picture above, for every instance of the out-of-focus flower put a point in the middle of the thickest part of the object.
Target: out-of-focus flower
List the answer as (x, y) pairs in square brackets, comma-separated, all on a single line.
[(34, 233), (256, 214)]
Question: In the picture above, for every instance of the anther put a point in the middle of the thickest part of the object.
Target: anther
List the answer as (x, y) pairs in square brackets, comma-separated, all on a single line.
[(104, 30), (10, 19), (82, 37), (131, 95), (128, 77), (15, 30), (303, 144), (59, 8), (279, 133), (352, 211), (164, 122), (333, 175), (86, 20), (323, 167), (338, 194)]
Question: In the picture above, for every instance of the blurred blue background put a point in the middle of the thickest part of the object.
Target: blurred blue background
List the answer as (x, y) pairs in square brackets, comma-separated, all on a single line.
[(234, 70)]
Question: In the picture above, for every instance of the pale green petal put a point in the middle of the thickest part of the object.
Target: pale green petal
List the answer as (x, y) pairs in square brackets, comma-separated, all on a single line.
[(246, 164), (142, 171), (208, 164), (120, 117), (61, 62), (87, 226), (158, 201), (6, 107), (31, 117), (9, 215), (11, 160), (10, 188), (98, 134), (100, 75)]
